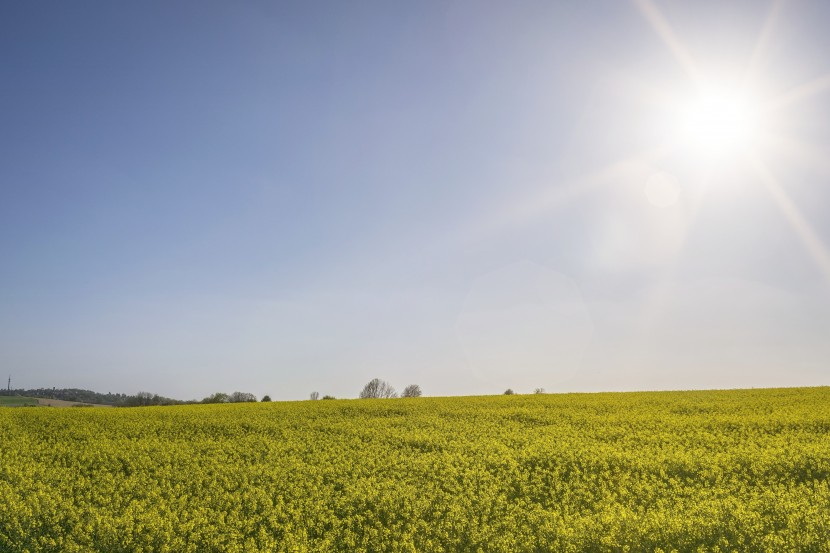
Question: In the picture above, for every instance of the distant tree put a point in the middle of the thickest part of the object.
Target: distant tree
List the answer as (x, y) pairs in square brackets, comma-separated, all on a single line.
[(144, 398), (328, 397), (539, 391), (509, 392), (266, 398), (241, 397), (315, 396), (377, 388), (413, 390), (218, 397)]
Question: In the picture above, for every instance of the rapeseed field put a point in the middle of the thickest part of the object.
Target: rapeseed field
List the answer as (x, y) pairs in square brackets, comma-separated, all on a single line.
[(743, 470)]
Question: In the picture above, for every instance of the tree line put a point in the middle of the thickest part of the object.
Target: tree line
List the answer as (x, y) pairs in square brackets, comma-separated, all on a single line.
[(88, 396), (374, 389), (140, 399)]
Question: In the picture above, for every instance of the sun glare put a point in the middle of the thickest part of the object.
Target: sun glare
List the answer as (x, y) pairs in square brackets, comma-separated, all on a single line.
[(735, 124), (719, 122)]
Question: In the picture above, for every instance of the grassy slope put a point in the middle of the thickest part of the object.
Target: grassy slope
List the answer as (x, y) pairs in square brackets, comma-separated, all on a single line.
[(62, 403), (16, 401), (743, 470)]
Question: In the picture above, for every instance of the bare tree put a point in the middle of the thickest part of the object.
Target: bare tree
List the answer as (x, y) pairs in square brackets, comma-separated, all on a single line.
[(413, 390), (509, 392), (539, 391), (241, 397), (144, 398), (377, 388), (315, 396)]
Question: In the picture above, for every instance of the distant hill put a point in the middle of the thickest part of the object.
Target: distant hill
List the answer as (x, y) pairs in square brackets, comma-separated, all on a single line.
[(76, 395)]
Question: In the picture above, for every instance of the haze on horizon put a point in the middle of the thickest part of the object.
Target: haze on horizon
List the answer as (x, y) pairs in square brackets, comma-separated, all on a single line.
[(286, 197)]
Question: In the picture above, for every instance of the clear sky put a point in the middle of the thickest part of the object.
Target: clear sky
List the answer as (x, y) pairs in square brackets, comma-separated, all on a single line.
[(280, 197)]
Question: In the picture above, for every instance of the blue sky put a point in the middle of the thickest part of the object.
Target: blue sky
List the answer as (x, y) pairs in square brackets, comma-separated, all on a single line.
[(287, 197)]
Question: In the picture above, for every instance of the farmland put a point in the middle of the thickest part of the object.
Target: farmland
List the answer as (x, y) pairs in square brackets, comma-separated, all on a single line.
[(743, 470), (18, 401), (15, 401)]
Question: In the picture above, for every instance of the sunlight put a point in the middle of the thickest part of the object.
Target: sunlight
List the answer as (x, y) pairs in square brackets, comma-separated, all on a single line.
[(799, 153), (800, 93), (725, 122), (718, 122), (669, 37), (559, 197), (811, 241)]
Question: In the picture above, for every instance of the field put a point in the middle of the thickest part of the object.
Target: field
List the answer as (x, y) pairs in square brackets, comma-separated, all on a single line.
[(685, 471), (16, 401), (61, 403)]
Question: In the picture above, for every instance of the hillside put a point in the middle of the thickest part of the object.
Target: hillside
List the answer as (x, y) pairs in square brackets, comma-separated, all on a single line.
[(20, 401), (17, 401)]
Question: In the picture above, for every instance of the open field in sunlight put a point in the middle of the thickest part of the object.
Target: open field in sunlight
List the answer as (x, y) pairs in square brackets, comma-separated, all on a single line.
[(688, 471)]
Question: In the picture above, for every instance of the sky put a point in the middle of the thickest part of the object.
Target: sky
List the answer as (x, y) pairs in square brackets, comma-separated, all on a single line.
[(287, 197)]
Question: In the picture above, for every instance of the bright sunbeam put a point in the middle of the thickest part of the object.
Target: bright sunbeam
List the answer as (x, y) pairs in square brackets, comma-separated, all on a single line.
[(718, 122), (724, 127), (811, 241)]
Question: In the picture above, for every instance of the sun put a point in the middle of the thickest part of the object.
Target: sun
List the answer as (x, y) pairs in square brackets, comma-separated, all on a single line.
[(724, 124), (718, 122)]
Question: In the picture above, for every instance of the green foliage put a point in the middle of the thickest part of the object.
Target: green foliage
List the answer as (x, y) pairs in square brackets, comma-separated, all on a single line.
[(670, 471), (266, 398), (509, 392)]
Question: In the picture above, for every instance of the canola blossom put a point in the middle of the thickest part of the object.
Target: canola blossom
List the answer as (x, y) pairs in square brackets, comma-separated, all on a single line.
[(743, 470)]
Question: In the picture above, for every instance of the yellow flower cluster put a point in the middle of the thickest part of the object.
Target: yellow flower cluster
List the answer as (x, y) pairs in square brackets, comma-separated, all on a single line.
[(676, 471)]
